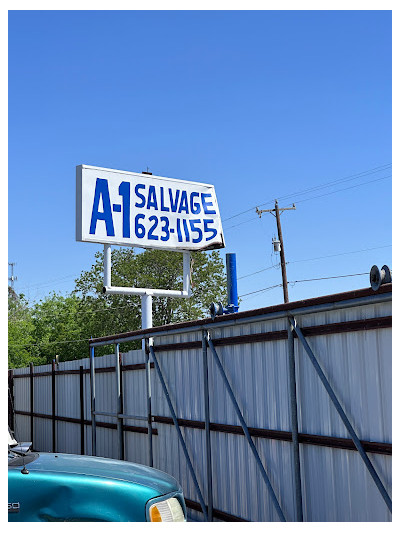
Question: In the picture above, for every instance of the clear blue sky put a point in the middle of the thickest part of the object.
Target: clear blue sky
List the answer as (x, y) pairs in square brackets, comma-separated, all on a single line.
[(262, 104)]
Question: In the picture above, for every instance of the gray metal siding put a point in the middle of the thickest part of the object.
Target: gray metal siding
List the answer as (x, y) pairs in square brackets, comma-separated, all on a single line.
[(336, 485)]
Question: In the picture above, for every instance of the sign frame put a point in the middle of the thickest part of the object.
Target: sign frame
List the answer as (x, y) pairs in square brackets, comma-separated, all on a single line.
[(168, 214)]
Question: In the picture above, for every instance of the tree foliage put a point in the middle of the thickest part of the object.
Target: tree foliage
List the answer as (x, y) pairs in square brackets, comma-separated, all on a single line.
[(61, 325), (21, 339)]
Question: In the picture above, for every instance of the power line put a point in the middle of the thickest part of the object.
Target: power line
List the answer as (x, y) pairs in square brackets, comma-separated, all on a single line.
[(317, 187), (316, 258), (343, 253), (48, 282), (262, 270), (240, 277), (240, 223), (261, 290), (313, 197), (241, 296), (330, 277), (301, 281), (82, 311), (345, 189), (341, 180)]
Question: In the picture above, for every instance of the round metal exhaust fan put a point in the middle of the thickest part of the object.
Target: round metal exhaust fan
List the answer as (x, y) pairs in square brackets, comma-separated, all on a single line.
[(379, 277)]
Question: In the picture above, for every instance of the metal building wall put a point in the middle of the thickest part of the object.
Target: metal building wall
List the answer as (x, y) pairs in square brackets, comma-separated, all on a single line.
[(335, 482)]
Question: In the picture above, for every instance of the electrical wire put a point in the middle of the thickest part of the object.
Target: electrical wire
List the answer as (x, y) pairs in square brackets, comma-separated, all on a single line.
[(317, 187), (260, 290), (345, 189), (315, 259), (84, 311), (48, 282), (312, 198), (329, 277), (258, 271), (240, 296), (240, 277), (301, 281)]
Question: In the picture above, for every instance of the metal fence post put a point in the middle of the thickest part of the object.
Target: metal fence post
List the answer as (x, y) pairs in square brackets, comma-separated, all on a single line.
[(343, 415), (11, 400), (207, 427), (247, 433), (149, 413), (31, 399), (294, 424), (53, 404), (120, 430), (176, 424), (82, 409), (93, 399)]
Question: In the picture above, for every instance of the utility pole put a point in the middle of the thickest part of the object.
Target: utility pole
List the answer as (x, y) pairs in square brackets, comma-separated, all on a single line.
[(12, 278), (276, 213)]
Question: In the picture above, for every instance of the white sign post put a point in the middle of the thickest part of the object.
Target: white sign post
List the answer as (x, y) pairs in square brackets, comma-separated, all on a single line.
[(131, 209), (146, 211)]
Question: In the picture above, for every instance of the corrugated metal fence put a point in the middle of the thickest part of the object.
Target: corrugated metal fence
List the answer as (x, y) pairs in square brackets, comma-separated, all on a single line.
[(352, 342)]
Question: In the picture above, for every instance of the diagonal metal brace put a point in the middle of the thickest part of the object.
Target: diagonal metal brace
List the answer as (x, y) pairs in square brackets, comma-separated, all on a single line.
[(181, 439), (342, 415), (247, 433)]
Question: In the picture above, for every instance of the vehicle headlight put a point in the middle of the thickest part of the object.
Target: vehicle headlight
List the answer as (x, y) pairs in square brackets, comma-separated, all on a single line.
[(166, 511)]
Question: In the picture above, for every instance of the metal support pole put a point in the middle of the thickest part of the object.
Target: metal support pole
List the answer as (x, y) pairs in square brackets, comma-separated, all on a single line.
[(247, 433), (82, 410), (181, 439), (147, 315), (282, 253), (207, 427), (186, 274), (11, 416), (93, 400), (147, 323), (343, 416), (53, 403), (120, 430), (107, 265), (31, 399), (294, 424), (149, 413)]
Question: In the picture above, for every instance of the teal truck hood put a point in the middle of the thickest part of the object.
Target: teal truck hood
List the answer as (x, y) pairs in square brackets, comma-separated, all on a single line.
[(65, 487), (106, 469)]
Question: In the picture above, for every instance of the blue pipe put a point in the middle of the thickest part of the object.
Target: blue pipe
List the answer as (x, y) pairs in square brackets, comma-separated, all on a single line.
[(231, 278)]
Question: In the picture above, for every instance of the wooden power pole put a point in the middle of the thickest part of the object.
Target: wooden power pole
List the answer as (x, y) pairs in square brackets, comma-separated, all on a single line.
[(276, 213)]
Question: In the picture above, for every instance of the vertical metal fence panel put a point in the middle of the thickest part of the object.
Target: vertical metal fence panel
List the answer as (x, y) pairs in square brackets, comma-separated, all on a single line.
[(21, 403), (335, 482), (135, 403), (42, 404)]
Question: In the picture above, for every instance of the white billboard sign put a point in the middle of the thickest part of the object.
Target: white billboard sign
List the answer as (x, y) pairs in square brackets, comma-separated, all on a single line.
[(131, 209)]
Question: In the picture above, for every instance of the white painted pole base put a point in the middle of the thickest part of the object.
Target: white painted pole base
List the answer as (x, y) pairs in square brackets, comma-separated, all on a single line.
[(147, 315)]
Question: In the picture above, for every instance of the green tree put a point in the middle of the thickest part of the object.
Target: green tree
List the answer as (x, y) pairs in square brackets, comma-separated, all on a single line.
[(58, 328), (61, 325), (21, 339), (151, 269)]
